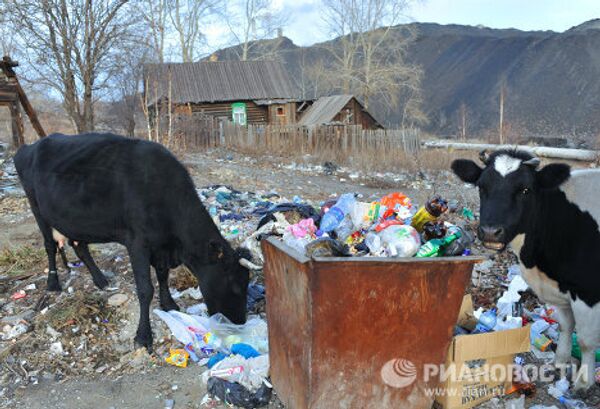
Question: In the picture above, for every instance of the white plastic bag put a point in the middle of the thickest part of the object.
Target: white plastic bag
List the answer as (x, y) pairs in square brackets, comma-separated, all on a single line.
[(402, 241), (249, 373)]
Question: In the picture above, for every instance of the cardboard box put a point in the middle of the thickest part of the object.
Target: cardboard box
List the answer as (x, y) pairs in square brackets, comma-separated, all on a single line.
[(479, 367)]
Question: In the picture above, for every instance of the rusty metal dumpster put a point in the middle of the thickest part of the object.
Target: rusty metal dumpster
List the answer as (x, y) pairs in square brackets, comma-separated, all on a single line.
[(359, 333)]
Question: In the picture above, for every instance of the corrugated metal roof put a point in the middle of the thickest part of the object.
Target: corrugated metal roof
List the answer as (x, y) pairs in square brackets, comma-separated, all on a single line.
[(324, 110), (220, 81)]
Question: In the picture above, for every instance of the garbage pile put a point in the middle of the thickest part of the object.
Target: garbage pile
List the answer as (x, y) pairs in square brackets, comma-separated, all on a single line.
[(391, 226), (514, 309), (236, 356)]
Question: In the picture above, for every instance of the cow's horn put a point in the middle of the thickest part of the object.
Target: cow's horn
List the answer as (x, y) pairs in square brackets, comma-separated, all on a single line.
[(484, 156), (533, 162), (249, 265)]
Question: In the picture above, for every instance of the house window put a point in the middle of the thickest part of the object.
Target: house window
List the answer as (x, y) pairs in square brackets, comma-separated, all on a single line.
[(280, 111), (238, 113)]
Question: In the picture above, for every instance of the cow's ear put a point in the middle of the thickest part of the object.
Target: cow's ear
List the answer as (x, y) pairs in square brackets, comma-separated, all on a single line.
[(553, 175), (215, 252), (466, 170)]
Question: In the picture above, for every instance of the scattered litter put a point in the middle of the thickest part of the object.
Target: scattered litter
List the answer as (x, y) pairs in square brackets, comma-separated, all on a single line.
[(250, 373), (232, 393), (56, 348), (256, 293), (178, 357), (10, 332), (169, 403), (18, 295)]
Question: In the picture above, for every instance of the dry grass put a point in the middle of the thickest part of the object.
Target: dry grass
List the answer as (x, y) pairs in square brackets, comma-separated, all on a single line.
[(20, 260)]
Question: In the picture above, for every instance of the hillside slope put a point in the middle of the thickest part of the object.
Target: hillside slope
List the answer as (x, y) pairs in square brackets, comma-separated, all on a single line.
[(551, 80)]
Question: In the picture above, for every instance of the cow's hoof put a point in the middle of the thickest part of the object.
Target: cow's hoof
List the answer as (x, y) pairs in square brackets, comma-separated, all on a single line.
[(54, 286), (143, 342), (169, 305), (100, 282)]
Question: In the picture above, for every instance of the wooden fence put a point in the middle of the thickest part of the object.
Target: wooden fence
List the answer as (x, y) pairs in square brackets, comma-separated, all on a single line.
[(344, 145)]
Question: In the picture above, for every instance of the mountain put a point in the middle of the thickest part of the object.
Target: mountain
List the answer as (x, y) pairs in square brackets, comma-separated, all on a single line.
[(550, 80)]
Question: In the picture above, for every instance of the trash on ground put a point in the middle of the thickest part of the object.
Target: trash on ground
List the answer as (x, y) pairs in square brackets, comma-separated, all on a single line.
[(232, 393)]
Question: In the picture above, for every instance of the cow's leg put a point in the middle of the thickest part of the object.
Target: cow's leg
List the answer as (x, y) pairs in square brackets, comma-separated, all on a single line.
[(49, 244), (140, 262), (83, 252), (587, 321), (166, 300), (567, 324), (63, 257)]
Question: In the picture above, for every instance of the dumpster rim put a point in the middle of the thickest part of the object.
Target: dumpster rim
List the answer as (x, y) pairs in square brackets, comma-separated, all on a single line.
[(304, 259)]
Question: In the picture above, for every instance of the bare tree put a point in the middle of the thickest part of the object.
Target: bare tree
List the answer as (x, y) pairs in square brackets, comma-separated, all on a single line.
[(315, 79), (339, 19), (127, 85), (250, 22), (155, 14), (462, 117), (69, 45), (7, 38), (370, 54), (187, 18)]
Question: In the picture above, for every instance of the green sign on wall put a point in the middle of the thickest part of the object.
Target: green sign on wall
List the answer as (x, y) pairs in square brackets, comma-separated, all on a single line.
[(238, 113)]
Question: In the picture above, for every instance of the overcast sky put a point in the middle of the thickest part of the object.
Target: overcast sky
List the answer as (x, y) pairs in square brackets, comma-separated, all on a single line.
[(305, 25)]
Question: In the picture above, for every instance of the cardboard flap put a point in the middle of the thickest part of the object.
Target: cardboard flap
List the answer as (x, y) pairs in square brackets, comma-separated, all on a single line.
[(491, 344)]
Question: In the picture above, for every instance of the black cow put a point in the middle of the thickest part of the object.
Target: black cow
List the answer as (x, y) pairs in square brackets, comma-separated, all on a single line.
[(100, 188), (550, 219)]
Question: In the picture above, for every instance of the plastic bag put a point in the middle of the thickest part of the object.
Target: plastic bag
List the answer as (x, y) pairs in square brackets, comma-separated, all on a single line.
[(359, 215), (235, 394), (250, 373), (253, 332), (298, 244), (402, 241)]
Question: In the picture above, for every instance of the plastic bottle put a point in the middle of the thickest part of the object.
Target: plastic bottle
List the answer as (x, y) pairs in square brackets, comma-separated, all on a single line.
[(345, 228), (487, 321), (458, 246), (434, 248), (576, 351), (336, 214), (432, 210), (572, 403)]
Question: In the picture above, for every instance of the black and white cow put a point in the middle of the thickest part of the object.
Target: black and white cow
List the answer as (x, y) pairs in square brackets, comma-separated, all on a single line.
[(550, 218), (99, 188)]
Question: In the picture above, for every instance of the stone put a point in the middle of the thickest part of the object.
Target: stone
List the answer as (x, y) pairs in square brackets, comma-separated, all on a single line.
[(117, 300)]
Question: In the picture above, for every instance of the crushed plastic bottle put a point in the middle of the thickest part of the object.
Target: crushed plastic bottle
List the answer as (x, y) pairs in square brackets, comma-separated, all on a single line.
[(336, 214)]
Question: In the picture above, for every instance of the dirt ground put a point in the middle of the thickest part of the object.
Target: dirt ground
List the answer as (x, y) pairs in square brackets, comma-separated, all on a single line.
[(104, 378)]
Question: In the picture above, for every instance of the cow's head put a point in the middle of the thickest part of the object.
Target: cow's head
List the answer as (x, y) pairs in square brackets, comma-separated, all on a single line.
[(509, 191), (224, 281)]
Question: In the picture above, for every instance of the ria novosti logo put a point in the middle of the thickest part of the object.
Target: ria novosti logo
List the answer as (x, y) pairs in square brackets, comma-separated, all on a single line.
[(399, 373)]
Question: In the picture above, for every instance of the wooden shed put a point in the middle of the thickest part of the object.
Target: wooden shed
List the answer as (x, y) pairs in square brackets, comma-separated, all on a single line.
[(338, 110), (245, 92), (13, 96)]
